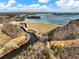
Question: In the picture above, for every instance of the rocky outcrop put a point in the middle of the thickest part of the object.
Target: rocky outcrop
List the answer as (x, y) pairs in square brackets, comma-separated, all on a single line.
[(67, 32)]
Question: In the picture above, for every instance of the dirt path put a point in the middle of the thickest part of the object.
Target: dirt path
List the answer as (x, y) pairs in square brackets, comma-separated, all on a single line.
[(67, 43)]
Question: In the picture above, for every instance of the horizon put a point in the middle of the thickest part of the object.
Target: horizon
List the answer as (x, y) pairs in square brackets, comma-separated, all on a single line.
[(34, 12)]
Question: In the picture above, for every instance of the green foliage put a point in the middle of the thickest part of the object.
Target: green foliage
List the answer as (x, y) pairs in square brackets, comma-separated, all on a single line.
[(20, 19), (51, 33), (57, 50), (29, 49), (11, 15), (46, 54)]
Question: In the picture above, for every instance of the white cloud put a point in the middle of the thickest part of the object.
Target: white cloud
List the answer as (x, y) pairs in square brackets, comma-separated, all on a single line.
[(68, 3), (20, 7), (28, 8), (38, 7), (43, 1), (10, 3), (1, 5), (34, 6), (44, 7)]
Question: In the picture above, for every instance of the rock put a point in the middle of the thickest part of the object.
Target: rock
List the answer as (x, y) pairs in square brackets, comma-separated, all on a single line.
[(12, 30)]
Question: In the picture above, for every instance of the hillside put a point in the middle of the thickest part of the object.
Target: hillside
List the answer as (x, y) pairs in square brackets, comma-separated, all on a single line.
[(67, 32)]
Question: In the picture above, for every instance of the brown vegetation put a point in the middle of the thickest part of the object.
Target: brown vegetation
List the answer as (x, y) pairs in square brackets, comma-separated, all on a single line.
[(4, 39), (67, 32), (4, 19), (12, 30), (13, 44)]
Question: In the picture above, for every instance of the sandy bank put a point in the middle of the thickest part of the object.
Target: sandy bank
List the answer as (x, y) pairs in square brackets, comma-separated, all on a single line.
[(42, 27)]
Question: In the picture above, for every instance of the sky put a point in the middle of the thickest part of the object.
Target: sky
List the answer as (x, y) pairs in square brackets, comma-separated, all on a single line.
[(39, 5)]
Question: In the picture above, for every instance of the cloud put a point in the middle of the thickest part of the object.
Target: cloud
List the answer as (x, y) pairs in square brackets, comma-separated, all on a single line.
[(43, 1), (10, 6), (1, 5), (27, 8), (38, 7), (34, 6), (68, 3), (45, 8), (20, 5), (10, 3)]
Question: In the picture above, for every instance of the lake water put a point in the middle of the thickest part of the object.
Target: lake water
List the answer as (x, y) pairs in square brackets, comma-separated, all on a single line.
[(55, 19)]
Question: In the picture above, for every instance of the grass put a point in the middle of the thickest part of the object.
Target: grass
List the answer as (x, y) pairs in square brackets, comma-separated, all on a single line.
[(57, 50), (42, 27), (51, 33)]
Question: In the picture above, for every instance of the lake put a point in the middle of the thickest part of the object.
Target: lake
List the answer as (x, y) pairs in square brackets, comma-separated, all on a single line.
[(54, 19)]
